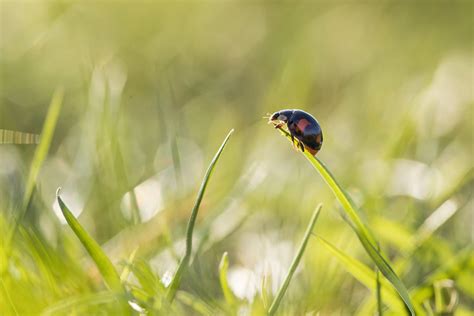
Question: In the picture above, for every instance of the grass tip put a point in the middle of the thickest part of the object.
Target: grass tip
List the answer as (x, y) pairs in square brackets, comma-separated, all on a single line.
[(58, 191), (225, 257)]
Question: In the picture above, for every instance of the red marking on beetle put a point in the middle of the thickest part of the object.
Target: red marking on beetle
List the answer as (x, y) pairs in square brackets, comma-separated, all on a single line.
[(311, 150), (302, 124), (318, 138)]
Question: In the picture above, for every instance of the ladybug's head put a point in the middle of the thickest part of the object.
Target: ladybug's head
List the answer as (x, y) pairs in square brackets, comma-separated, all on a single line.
[(283, 116)]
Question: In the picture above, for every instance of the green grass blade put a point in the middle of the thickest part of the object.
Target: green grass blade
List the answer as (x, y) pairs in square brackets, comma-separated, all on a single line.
[(388, 272), (43, 147), (223, 266), (363, 233), (364, 275), (192, 220), (105, 266), (281, 292), (40, 155), (378, 289), (126, 270)]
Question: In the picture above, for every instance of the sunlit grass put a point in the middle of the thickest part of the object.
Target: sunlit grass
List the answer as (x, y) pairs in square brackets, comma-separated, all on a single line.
[(284, 286), (182, 266), (106, 268), (150, 91), (365, 236)]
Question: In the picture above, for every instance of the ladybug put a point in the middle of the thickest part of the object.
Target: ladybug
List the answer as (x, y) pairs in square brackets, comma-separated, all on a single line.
[(302, 126)]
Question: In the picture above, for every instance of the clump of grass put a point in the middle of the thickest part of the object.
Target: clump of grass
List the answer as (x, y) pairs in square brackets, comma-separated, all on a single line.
[(109, 273), (362, 231)]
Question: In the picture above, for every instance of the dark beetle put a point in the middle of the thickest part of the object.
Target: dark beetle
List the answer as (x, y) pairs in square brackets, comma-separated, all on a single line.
[(302, 126)]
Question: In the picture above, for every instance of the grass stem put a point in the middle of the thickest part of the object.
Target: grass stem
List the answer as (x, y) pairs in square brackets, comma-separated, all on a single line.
[(295, 263), (183, 264)]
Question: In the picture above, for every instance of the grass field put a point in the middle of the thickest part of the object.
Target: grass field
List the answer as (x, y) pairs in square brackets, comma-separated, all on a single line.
[(177, 198)]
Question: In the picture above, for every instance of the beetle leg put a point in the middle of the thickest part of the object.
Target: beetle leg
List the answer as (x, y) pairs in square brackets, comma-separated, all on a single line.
[(295, 145), (300, 143)]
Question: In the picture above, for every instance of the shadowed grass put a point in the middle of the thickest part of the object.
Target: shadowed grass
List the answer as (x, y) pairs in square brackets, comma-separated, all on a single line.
[(281, 292), (362, 231), (183, 264)]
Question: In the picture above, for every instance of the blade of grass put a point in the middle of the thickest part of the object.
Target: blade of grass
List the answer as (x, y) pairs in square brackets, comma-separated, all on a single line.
[(105, 266), (362, 231), (43, 147), (223, 266), (126, 270), (364, 275), (183, 264), (281, 292), (39, 156), (378, 289)]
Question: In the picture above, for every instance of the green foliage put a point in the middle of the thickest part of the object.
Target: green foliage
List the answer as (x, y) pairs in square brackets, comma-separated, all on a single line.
[(364, 275), (148, 92)]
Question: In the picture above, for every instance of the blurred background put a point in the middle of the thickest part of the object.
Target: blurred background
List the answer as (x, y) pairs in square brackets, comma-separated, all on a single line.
[(151, 90)]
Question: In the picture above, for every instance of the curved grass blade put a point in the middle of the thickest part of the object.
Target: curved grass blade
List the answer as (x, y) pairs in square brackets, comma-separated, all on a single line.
[(362, 231), (106, 268), (183, 264), (223, 266), (294, 264)]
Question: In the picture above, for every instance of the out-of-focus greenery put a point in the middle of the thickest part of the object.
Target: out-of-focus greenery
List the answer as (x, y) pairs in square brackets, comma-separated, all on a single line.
[(150, 91)]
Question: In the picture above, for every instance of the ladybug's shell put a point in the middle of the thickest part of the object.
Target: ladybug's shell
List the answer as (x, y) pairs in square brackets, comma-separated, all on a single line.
[(306, 128)]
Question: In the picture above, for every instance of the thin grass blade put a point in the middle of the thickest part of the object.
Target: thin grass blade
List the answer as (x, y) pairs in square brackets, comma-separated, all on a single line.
[(281, 292), (378, 295), (105, 266), (183, 264), (39, 156)]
